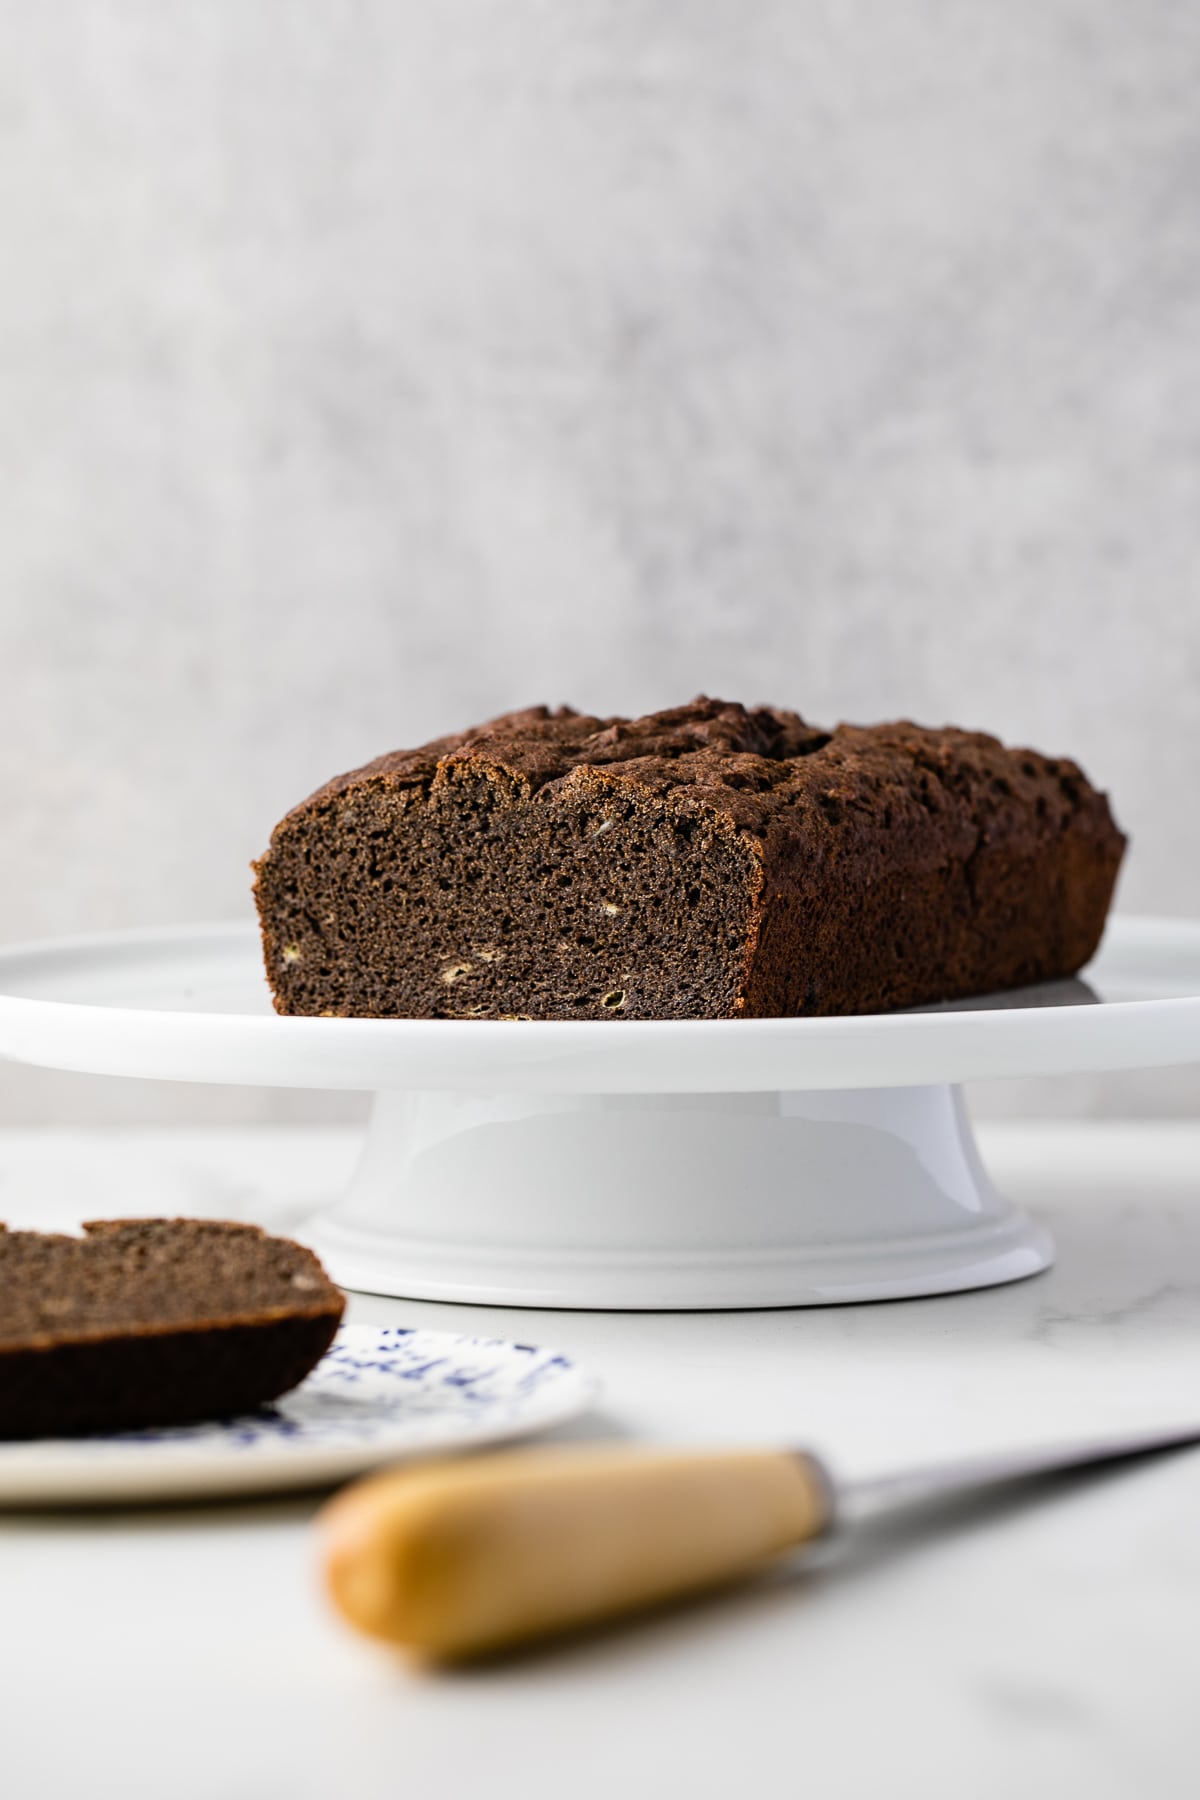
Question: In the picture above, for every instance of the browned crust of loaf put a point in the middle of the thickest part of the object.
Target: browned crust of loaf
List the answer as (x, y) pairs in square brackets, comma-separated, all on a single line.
[(91, 1342), (713, 752), (160, 1379), (995, 866)]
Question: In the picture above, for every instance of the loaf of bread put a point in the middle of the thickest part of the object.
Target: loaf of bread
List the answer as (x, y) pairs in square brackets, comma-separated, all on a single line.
[(154, 1322), (703, 863)]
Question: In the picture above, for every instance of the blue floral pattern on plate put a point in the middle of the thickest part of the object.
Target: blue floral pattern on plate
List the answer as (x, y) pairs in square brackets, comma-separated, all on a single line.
[(380, 1394)]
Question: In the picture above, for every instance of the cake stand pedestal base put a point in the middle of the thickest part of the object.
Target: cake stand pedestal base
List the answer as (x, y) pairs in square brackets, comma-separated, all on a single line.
[(674, 1201)]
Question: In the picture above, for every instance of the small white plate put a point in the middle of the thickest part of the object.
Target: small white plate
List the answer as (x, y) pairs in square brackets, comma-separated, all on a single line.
[(380, 1395)]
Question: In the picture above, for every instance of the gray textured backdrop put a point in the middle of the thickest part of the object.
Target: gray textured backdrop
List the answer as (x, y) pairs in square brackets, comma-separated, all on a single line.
[(366, 369)]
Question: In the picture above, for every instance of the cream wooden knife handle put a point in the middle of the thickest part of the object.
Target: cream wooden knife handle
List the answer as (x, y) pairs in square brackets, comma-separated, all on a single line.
[(458, 1558)]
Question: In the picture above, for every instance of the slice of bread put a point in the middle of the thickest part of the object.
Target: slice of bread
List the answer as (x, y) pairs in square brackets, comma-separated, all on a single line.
[(145, 1322)]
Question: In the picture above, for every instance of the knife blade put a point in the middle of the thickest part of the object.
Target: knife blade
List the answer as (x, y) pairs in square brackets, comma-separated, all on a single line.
[(857, 1501)]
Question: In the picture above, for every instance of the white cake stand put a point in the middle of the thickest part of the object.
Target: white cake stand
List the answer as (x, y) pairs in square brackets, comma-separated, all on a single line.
[(772, 1162)]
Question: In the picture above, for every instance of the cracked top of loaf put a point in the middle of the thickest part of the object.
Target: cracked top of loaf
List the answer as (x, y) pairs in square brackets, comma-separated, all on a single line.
[(766, 768)]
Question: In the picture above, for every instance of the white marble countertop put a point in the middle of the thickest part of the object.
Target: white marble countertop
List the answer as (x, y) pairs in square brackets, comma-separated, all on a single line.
[(1046, 1646)]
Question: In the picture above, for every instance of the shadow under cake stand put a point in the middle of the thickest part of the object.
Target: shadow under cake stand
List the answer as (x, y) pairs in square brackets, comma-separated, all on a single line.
[(626, 1164)]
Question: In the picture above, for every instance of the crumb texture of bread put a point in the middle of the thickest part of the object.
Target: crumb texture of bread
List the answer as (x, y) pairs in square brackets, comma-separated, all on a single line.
[(707, 862), (144, 1322)]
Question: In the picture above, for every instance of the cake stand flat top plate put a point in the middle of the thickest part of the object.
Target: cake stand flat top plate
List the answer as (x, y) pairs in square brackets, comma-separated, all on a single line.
[(191, 1004)]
